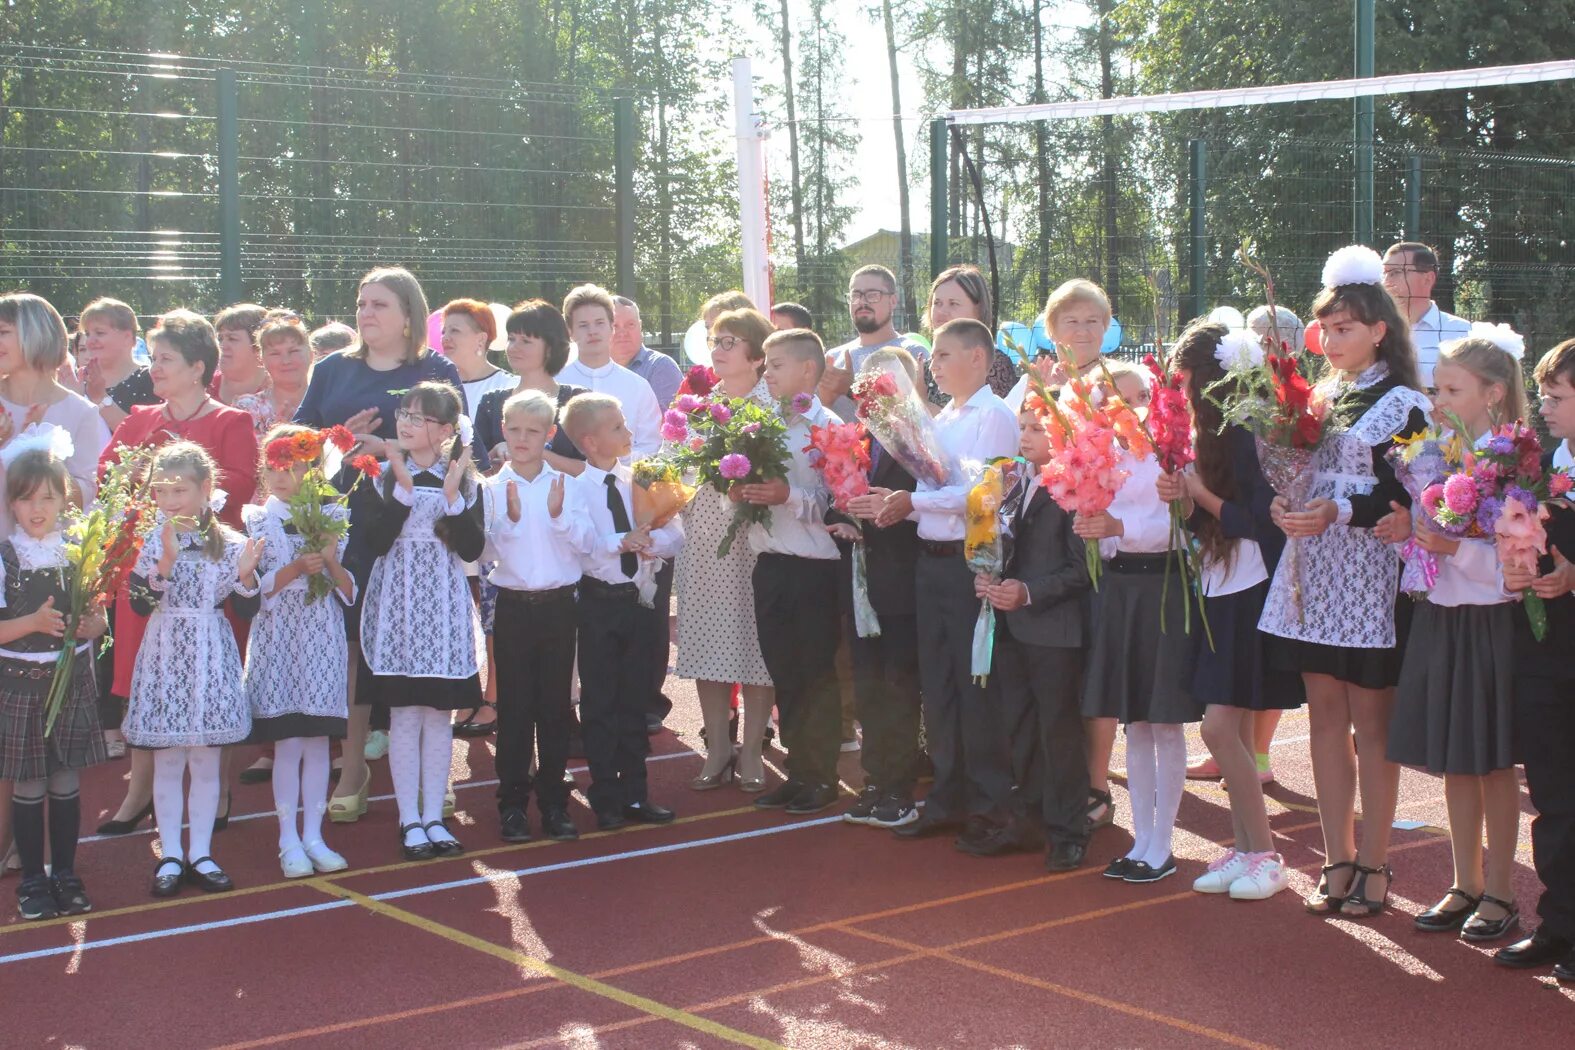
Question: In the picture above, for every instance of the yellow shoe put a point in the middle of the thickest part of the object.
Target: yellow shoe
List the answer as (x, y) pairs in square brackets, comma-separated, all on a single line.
[(347, 809)]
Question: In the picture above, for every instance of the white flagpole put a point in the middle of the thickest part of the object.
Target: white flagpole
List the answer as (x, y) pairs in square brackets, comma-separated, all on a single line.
[(750, 129)]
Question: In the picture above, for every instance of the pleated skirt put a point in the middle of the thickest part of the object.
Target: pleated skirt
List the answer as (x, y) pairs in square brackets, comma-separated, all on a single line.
[(1454, 707)]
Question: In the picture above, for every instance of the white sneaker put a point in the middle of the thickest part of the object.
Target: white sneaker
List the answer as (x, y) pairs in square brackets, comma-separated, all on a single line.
[(294, 863), (1223, 871), (1264, 877), (324, 859), (376, 745)]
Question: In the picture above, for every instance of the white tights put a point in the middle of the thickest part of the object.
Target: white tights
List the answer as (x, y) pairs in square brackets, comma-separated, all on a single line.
[(420, 750), (170, 765), (1156, 778), (300, 780)]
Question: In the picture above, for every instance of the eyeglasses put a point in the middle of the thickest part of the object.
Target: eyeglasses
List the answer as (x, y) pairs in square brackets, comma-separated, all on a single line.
[(1401, 271), (725, 343), (415, 419), (1552, 401), (872, 297)]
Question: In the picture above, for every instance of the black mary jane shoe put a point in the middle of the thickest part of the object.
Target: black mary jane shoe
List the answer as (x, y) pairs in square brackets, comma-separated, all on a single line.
[(1439, 919), (1142, 871), (421, 850), (1119, 868), (469, 727), (449, 847), (1477, 929), (167, 877), (215, 881)]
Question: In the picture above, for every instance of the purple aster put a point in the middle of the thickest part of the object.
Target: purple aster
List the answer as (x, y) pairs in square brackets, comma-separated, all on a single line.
[(1488, 512)]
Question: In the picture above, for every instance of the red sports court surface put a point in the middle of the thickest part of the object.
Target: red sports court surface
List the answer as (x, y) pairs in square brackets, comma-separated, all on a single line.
[(737, 928)]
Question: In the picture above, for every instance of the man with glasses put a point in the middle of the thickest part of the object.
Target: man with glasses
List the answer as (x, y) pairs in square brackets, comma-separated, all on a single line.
[(1410, 271), (629, 350), (872, 299)]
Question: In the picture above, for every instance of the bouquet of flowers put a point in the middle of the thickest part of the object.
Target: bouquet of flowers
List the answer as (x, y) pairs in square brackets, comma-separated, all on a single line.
[(896, 414), (659, 491), (987, 528), (317, 526), (1419, 463), (839, 452), (101, 548), (736, 442), (1170, 432)]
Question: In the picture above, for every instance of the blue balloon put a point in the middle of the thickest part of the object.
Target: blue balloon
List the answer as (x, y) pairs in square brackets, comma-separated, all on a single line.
[(1036, 340), (1112, 337)]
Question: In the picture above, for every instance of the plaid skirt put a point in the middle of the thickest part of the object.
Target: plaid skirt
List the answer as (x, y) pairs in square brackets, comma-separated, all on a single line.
[(77, 741)]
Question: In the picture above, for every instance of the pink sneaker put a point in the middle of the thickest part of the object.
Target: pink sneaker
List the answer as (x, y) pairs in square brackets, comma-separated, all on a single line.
[(1264, 877), (1223, 870), (1204, 768)]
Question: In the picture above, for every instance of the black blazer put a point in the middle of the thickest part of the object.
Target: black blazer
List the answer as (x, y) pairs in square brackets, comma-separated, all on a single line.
[(1050, 558)]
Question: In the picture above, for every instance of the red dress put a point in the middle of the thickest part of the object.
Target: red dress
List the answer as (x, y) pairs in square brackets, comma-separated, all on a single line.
[(228, 436)]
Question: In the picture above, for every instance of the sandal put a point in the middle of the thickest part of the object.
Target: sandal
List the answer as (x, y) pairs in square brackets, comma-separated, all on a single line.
[(1358, 899), (468, 726), (1441, 919), (1097, 798), (1322, 902)]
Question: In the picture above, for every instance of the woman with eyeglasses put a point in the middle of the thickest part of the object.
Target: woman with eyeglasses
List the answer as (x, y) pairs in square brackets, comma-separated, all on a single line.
[(537, 349), (717, 642)]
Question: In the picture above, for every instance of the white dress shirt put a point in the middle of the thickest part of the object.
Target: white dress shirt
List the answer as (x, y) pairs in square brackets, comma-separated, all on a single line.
[(1470, 576), (1564, 459), (538, 552), (1144, 517), (973, 433), (1433, 329), (798, 526), (598, 539), (633, 393)]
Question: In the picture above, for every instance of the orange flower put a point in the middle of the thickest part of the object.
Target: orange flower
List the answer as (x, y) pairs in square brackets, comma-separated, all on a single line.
[(306, 447)]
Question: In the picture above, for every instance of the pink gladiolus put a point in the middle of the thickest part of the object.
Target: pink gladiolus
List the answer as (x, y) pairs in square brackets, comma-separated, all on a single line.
[(1559, 483), (734, 466)]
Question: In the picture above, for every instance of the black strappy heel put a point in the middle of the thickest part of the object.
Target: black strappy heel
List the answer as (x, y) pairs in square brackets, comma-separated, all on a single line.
[(1358, 895), (1322, 902)]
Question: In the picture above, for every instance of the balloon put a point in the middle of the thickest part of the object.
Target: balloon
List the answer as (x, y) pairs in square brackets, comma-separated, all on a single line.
[(695, 347), (1228, 316), (1112, 337), (1018, 333), (920, 338), (1313, 337), (435, 331), (500, 314)]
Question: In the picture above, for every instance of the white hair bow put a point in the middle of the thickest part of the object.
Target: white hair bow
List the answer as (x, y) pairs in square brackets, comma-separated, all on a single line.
[(39, 436)]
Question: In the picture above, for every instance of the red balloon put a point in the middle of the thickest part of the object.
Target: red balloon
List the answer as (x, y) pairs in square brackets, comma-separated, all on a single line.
[(1312, 337)]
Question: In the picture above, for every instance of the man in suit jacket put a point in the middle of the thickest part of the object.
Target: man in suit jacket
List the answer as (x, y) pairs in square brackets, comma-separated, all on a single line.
[(1042, 602)]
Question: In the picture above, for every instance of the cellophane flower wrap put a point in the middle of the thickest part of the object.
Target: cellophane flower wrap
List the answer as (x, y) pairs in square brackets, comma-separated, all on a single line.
[(1170, 433), (317, 526), (660, 490), (1496, 493), (839, 452), (896, 414), (1421, 462), (987, 523), (732, 442), (101, 548)]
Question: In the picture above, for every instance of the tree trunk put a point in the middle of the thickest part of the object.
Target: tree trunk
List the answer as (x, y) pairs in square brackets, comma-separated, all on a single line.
[(905, 251), (797, 187)]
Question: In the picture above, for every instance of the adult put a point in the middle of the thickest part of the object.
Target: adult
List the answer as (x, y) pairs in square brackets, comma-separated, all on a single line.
[(962, 291), (361, 388), (1410, 272), (629, 350), (718, 644), (111, 377), (335, 335), (588, 311), (1077, 315), (1285, 332), (285, 347), (786, 316), (185, 352), (537, 349), (468, 329), (240, 362), (872, 300)]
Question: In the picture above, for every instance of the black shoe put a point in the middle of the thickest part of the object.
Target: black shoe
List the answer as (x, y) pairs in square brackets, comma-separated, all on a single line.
[(653, 725), (1441, 919), (863, 807), (976, 833), (813, 799), (220, 823), (1565, 971), (926, 826), (1143, 872), (35, 899), (1539, 949), (254, 774), (70, 895), (1478, 929), (610, 819), (167, 877), (126, 827), (215, 881), (449, 847), (513, 825), (1065, 856), (556, 825), (469, 727), (894, 811), (1119, 868), (781, 796), (421, 850), (648, 813), (1015, 836)]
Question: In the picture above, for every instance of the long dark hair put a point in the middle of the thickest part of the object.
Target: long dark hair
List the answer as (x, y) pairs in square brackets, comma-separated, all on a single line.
[(1369, 304), (1194, 352)]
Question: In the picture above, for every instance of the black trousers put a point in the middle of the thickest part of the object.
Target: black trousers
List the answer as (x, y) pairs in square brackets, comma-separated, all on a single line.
[(661, 641), (962, 719), (796, 618), (534, 642), (1545, 733), (111, 708), (1041, 690), (615, 676), (886, 685)]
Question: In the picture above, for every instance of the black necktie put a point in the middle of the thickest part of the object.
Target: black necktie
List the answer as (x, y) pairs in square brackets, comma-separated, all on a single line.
[(627, 560)]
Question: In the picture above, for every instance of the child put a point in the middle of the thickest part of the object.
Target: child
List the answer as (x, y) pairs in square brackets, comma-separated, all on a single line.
[(537, 566), (297, 661), (1544, 682), (795, 586), (1454, 705), (967, 738), (32, 628), (1342, 637), (614, 615), (1039, 659), (421, 642), (1139, 674), (1229, 503), (186, 695)]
